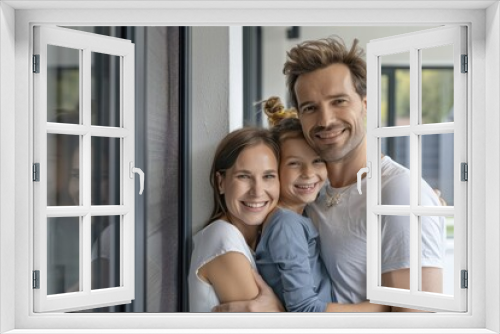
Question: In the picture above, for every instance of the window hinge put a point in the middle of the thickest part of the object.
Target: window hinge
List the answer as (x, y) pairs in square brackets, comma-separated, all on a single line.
[(36, 172), (465, 64), (36, 279), (464, 279), (36, 63), (464, 171)]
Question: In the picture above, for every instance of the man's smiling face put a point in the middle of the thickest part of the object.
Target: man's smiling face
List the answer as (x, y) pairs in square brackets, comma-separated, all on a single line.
[(331, 111)]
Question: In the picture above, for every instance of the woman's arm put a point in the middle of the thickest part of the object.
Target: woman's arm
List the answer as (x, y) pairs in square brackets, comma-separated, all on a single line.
[(266, 301), (232, 277)]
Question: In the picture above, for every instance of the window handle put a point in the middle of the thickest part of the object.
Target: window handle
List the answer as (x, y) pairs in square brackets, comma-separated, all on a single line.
[(141, 175), (368, 171)]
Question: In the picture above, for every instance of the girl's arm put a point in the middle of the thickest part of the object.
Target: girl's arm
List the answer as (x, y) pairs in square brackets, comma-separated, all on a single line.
[(232, 277)]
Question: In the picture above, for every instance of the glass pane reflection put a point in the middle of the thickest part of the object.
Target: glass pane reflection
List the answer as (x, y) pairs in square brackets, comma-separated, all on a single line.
[(395, 90), (397, 149), (437, 249), (395, 246), (105, 171), (63, 84), (63, 255), (105, 89), (437, 168), (63, 171), (437, 84), (105, 252)]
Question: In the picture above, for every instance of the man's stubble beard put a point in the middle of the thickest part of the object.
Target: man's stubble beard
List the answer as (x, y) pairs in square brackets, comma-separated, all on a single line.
[(330, 154)]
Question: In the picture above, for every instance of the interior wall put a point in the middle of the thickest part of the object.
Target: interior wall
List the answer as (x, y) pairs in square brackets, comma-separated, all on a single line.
[(276, 44), (7, 167), (210, 115), (492, 275)]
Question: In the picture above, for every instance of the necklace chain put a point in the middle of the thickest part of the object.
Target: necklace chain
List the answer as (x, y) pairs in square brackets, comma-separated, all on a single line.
[(335, 199)]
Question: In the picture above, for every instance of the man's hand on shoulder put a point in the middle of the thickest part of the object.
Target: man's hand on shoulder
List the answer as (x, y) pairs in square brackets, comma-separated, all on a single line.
[(266, 301)]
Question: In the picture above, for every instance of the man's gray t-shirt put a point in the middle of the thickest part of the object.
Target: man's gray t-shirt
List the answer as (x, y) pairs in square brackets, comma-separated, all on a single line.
[(342, 230)]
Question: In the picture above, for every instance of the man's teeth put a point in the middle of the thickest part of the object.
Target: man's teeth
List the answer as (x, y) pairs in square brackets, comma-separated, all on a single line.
[(329, 134), (254, 205)]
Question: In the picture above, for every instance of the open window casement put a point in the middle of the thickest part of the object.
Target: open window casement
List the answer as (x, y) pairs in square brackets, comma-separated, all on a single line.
[(83, 170), (418, 139)]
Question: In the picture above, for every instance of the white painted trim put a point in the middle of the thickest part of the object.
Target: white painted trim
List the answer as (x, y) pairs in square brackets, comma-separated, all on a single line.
[(286, 17), (7, 167), (491, 162), (255, 4)]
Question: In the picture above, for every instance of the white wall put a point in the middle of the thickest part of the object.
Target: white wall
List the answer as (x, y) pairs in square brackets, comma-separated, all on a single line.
[(209, 112), (7, 167), (492, 125), (275, 45)]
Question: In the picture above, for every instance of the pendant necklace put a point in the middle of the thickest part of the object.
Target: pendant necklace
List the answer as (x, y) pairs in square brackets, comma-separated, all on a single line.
[(337, 198)]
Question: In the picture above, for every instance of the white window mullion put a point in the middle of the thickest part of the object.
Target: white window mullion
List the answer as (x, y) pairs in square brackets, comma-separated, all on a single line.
[(373, 277), (461, 187), (128, 191), (414, 167), (40, 156), (86, 178)]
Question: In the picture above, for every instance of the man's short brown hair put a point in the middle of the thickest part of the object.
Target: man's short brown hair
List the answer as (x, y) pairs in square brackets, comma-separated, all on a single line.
[(317, 54)]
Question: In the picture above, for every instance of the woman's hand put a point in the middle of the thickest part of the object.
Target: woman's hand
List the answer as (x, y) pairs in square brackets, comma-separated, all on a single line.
[(266, 301)]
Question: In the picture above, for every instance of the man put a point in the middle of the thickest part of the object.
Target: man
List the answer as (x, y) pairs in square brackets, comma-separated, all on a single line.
[(327, 86)]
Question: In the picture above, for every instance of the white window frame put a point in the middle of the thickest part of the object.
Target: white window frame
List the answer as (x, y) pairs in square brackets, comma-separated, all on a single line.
[(85, 43), (482, 316), (412, 43)]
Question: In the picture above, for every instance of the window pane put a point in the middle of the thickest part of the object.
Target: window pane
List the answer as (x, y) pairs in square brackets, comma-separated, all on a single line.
[(105, 89), (385, 87), (63, 84), (397, 149), (63, 171), (395, 90), (437, 247), (63, 255), (395, 246), (437, 84), (105, 171), (437, 168), (105, 252)]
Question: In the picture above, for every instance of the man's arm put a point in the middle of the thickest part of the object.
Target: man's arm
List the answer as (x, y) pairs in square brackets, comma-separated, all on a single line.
[(266, 300), (432, 281)]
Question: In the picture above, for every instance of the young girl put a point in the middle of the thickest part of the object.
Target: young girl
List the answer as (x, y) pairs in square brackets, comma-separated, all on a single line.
[(244, 178), (287, 255)]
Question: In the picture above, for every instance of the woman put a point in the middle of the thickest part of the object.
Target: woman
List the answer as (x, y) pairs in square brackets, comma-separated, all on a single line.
[(244, 178)]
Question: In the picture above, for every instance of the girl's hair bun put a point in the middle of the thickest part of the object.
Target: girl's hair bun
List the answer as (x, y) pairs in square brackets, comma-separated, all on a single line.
[(275, 110)]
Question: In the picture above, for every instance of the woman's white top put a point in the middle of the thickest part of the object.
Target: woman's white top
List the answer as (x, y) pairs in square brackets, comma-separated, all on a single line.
[(214, 240)]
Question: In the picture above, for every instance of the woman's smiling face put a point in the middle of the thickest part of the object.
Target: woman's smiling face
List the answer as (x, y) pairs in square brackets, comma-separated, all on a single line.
[(251, 186)]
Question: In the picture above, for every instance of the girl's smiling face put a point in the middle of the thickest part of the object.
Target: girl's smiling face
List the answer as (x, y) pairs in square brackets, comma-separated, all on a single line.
[(302, 174)]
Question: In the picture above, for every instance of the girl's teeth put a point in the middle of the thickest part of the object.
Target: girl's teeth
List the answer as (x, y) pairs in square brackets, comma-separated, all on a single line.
[(308, 186)]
